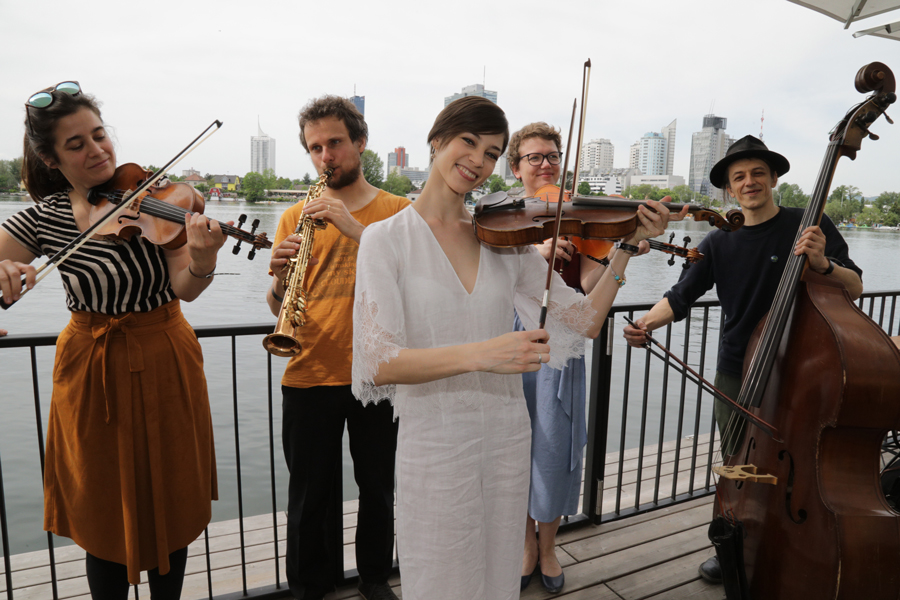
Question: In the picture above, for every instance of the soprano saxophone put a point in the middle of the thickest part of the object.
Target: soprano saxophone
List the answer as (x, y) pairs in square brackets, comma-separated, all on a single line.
[(284, 340)]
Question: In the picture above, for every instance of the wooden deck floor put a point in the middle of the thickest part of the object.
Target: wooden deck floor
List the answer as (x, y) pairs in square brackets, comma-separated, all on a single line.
[(654, 555)]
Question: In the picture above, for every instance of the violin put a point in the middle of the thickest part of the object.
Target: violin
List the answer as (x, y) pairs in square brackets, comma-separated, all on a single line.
[(159, 215), (503, 221)]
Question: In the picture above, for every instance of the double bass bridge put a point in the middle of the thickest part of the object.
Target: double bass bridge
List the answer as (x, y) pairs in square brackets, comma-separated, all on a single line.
[(744, 473)]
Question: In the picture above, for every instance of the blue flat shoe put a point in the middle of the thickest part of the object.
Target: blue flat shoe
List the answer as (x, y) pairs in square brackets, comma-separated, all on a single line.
[(526, 579), (554, 584)]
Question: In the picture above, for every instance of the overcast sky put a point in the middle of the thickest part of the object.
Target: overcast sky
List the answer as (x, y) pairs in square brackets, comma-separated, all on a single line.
[(165, 70)]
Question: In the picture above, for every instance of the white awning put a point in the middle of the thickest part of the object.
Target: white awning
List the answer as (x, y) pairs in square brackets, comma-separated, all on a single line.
[(849, 11), (890, 31)]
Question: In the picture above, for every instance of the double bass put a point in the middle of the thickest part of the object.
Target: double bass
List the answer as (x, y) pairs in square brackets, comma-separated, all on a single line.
[(803, 515)]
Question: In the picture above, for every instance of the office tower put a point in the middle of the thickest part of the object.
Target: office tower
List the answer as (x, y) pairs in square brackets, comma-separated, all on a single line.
[(597, 155), (668, 132), (398, 158), (262, 152), (360, 103), (472, 90), (708, 146)]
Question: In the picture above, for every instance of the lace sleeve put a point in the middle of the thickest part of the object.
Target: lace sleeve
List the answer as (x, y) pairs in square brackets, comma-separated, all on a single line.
[(378, 324), (569, 314)]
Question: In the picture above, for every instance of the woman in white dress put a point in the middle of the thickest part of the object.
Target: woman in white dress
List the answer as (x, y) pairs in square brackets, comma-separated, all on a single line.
[(431, 334)]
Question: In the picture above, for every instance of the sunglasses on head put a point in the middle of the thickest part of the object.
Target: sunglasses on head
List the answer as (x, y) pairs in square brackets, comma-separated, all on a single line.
[(45, 98)]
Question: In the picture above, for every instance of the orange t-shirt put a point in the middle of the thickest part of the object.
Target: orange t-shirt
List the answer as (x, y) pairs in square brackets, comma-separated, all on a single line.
[(327, 337)]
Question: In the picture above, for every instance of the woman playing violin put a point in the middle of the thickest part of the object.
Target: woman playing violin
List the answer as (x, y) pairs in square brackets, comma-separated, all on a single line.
[(555, 397), (130, 465), (431, 333)]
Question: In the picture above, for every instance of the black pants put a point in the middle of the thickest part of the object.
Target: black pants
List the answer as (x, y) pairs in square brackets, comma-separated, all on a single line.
[(109, 580), (731, 435), (312, 428)]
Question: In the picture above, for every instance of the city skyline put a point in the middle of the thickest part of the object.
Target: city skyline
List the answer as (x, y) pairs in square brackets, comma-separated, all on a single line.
[(805, 87)]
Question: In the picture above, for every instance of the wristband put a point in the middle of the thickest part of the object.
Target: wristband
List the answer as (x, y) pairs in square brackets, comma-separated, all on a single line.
[(632, 250), (278, 298), (603, 261), (209, 275), (829, 269)]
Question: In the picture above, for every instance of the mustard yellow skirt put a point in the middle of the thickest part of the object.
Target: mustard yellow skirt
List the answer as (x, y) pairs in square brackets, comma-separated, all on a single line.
[(130, 464)]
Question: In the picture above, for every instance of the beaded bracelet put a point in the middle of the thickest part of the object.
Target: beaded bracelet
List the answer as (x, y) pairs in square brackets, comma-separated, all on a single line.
[(619, 280)]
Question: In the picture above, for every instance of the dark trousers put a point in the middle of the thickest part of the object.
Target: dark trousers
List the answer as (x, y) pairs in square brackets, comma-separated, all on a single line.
[(108, 580), (312, 429), (731, 435)]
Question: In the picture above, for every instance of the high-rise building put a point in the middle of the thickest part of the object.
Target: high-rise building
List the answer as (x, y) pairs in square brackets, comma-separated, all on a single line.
[(472, 90), (634, 156), (398, 158), (262, 152), (360, 103), (652, 154), (668, 132), (597, 155), (708, 146)]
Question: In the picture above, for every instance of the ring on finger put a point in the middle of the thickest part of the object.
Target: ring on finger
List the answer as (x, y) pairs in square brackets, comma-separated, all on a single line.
[(540, 358)]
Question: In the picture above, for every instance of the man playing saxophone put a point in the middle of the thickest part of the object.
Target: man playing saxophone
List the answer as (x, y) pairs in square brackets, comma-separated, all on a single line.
[(316, 383)]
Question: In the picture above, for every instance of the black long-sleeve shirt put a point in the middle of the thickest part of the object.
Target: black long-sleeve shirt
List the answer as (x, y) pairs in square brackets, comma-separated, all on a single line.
[(746, 266)]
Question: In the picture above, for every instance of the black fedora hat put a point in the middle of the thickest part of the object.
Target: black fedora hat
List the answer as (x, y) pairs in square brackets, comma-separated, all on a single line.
[(747, 147)]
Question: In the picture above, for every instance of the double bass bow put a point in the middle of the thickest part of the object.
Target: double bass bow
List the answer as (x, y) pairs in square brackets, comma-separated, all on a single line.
[(804, 516)]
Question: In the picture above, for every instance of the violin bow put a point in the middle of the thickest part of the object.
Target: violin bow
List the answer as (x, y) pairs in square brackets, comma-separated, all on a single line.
[(73, 246), (559, 203), (742, 412)]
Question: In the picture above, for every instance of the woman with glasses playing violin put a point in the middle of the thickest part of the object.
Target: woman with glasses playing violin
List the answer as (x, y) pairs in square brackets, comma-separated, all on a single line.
[(555, 397), (130, 465)]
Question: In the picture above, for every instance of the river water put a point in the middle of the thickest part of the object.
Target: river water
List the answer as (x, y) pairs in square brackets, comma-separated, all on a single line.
[(239, 299)]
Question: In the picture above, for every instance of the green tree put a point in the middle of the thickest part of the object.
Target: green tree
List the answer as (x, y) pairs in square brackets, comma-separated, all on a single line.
[(790, 194), (584, 189), (202, 188), (397, 184), (850, 199), (517, 184), (682, 194), (372, 168), (495, 183), (283, 183), (10, 173), (307, 180), (254, 187)]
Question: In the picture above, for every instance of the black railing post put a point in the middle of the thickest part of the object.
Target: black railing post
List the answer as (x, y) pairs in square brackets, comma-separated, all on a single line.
[(4, 532), (598, 408)]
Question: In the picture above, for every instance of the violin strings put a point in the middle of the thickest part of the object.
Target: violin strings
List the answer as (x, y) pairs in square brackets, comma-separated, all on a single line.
[(159, 208)]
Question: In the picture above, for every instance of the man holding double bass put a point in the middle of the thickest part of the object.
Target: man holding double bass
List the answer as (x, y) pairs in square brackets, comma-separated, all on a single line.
[(746, 266)]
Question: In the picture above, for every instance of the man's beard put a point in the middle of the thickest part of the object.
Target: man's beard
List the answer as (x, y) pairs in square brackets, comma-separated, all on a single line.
[(346, 177)]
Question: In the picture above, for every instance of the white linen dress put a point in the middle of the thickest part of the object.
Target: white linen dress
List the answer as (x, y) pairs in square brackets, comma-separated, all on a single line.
[(463, 451)]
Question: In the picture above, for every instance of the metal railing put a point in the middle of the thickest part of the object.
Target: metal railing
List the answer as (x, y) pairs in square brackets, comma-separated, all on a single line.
[(646, 421)]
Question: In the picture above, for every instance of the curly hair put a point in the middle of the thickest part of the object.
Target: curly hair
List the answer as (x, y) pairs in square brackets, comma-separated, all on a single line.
[(334, 106), (538, 129), (469, 114)]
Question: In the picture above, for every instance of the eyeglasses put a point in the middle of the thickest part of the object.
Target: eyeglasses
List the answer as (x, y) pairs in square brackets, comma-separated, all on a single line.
[(45, 98), (535, 159)]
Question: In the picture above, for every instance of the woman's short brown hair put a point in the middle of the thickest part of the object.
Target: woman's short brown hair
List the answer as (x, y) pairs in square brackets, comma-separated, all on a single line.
[(538, 129), (470, 114)]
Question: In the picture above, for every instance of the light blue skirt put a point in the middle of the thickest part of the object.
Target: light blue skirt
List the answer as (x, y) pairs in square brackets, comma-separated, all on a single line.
[(555, 400)]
